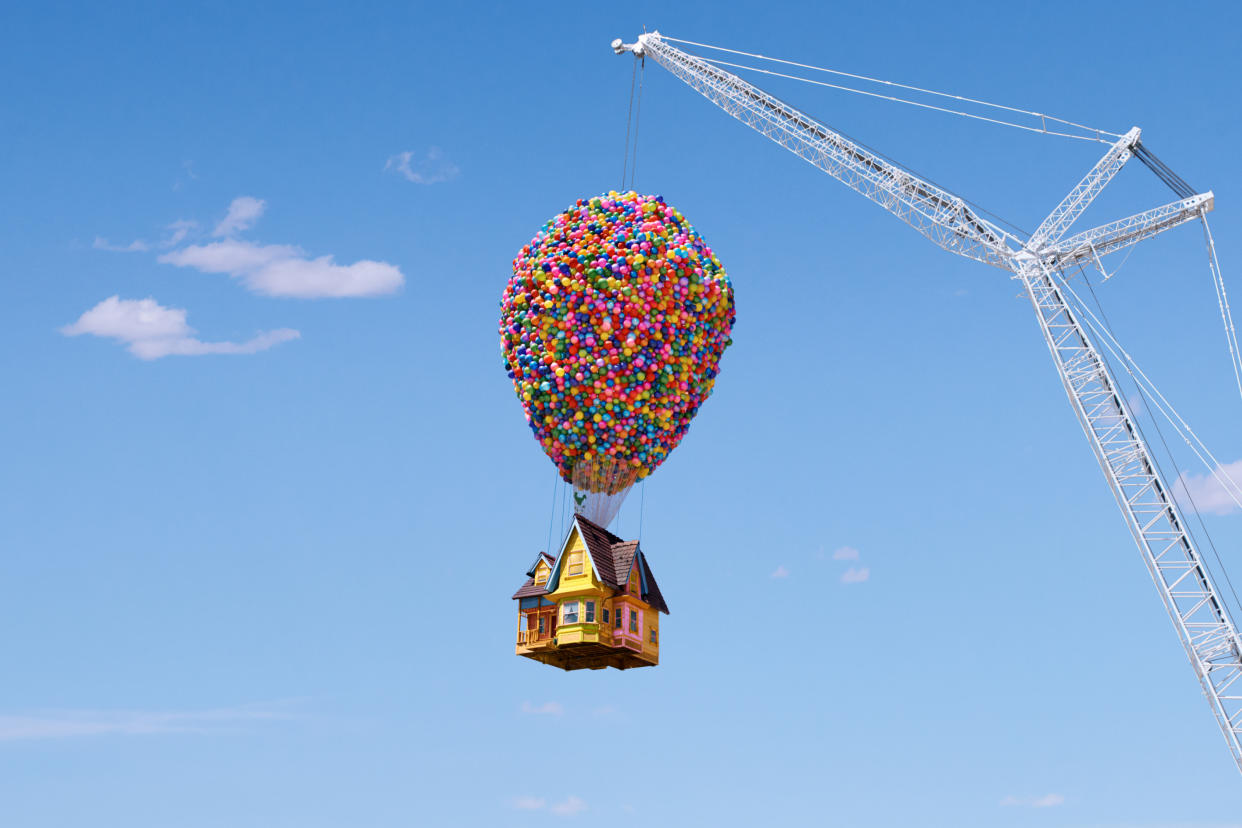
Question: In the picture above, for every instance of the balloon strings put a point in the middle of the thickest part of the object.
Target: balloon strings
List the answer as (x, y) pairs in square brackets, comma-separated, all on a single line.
[(552, 510), (642, 507)]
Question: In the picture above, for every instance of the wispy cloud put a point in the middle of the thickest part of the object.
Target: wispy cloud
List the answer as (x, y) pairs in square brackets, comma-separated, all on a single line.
[(856, 575), (780, 572), (285, 270), (432, 168), (1046, 801), (243, 212), (269, 269), (570, 806), (186, 175), (552, 708), (65, 724), (845, 553), (1207, 492), (151, 330), (528, 803), (180, 229), (136, 246)]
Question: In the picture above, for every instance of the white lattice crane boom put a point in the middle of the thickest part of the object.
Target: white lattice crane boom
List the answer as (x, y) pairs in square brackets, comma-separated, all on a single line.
[(1199, 614)]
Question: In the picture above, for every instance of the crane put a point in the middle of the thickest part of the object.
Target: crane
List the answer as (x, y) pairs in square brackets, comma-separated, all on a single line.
[(1155, 520)]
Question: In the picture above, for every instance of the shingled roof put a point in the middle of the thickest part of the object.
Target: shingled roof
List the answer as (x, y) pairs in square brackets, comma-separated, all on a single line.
[(653, 596), (530, 589), (613, 558)]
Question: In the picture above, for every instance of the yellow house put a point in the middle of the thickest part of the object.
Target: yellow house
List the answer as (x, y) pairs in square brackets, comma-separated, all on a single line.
[(595, 605)]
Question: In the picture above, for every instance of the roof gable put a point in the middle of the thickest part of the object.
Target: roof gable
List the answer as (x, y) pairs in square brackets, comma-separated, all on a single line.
[(651, 590), (612, 560), (543, 556)]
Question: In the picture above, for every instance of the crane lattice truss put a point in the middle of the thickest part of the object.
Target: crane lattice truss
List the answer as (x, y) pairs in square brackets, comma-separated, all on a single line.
[(1193, 602)]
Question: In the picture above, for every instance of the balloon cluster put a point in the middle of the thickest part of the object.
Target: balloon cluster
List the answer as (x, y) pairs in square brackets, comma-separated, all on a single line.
[(612, 327)]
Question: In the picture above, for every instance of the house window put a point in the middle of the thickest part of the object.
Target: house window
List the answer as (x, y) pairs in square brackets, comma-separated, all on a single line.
[(633, 621), (575, 563), (541, 577), (617, 618), (569, 613), (605, 615), (653, 636), (541, 625), (590, 612)]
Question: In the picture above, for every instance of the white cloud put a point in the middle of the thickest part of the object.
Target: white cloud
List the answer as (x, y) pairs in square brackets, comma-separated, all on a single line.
[(856, 575), (187, 174), (569, 807), (63, 724), (1046, 801), (243, 212), (136, 246), (152, 331), (780, 572), (845, 553), (269, 269), (529, 803), (1208, 494), (433, 168), (284, 270), (180, 229), (547, 707)]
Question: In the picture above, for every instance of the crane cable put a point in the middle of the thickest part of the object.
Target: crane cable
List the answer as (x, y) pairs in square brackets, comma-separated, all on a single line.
[(1149, 394), (629, 115), (633, 115), (1168, 452), (1102, 136), (1222, 299)]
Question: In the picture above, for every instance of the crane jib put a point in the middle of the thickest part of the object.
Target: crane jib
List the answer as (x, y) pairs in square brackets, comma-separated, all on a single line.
[(788, 113), (945, 209), (1199, 615)]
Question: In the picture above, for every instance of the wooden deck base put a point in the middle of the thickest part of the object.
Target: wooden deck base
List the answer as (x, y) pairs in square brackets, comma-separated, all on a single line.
[(588, 656)]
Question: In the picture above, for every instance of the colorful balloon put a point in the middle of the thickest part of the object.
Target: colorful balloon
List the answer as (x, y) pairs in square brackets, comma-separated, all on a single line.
[(612, 327)]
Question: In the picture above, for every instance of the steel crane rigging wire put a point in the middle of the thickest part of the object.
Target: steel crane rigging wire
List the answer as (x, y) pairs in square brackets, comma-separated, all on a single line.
[(1103, 329), (1102, 136)]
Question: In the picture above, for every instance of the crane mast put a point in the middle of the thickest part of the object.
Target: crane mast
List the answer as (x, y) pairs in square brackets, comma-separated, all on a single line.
[(1195, 606)]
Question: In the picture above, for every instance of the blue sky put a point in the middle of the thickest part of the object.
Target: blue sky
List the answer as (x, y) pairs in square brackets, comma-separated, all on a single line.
[(260, 532)]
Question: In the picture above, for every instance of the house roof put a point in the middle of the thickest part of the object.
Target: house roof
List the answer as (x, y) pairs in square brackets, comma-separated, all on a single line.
[(543, 556), (600, 542), (529, 588), (653, 595), (613, 559)]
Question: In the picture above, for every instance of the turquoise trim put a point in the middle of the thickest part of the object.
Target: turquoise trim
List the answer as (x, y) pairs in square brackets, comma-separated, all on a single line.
[(530, 573)]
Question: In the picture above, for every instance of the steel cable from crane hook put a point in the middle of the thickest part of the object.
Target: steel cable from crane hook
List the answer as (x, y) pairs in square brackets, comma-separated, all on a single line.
[(1044, 118), (628, 117), (638, 114), (1104, 331)]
